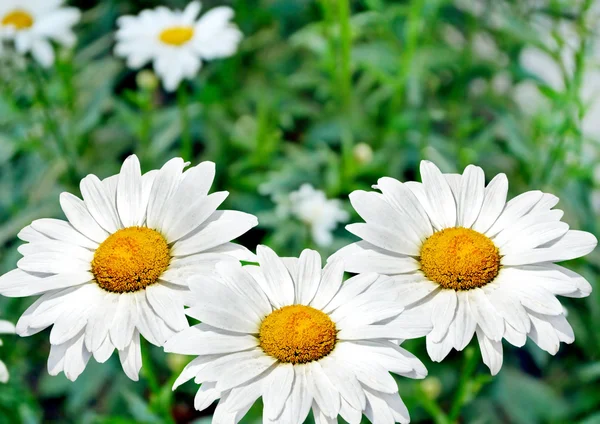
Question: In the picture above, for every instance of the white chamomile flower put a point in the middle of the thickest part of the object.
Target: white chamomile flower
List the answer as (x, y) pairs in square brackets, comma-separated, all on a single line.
[(118, 267), (313, 208), (468, 261), (6, 327), (33, 24), (292, 333), (176, 41)]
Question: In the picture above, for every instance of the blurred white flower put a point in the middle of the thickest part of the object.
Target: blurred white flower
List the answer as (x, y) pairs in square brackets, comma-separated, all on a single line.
[(6, 327), (176, 41), (363, 153), (313, 208), (32, 24)]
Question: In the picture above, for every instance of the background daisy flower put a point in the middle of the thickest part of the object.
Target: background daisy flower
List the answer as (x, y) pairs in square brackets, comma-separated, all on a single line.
[(292, 333), (469, 262), (176, 41), (33, 24), (118, 267)]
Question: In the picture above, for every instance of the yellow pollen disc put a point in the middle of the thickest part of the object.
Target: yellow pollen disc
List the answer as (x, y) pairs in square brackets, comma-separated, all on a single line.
[(18, 18), (177, 36), (130, 260), (297, 334), (460, 259)]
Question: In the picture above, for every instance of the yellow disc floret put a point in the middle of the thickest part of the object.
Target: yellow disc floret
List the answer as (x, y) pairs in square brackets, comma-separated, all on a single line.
[(18, 18), (130, 260), (177, 36), (297, 334), (460, 259)]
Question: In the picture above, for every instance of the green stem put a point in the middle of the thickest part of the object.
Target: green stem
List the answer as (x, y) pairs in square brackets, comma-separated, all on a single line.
[(345, 70), (159, 403), (462, 392), (433, 409), (345, 90), (53, 127), (146, 127), (186, 136)]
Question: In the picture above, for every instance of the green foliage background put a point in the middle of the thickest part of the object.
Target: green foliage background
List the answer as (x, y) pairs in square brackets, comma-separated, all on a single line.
[(311, 80)]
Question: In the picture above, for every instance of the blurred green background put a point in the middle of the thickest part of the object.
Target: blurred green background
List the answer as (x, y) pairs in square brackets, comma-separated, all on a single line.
[(334, 93)]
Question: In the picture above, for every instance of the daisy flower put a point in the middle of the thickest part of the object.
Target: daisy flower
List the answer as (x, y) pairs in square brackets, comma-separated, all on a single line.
[(314, 209), (118, 266), (292, 333), (468, 261), (176, 41), (6, 327), (32, 24)]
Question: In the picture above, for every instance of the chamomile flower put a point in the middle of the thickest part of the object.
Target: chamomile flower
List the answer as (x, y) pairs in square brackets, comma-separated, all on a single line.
[(33, 24), (313, 208), (176, 41), (292, 333), (118, 267), (468, 261), (6, 327)]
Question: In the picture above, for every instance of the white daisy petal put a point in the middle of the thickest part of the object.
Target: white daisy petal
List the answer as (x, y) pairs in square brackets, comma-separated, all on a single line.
[(491, 351), (570, 246), (513, 336), (331, 280), (509, 308), (376, 211), (129, 193), (222, 227), (324, 393), (206, 395), (277, 389), (439, 350), (384, 238), (99, 203), (30, 235), (493, 203), (279, 280), (439, 195), (309, 276), (464, 323), (204, 340), (131, 357), (403, 199), (105, 351), (444, 308), (80, 218), (167, 306), (223, 308), (542, 333), (485, 314), (164, 184), (63, 231), (364, 257), (472, 193), (52, 263), (124, 322), (514, 210)]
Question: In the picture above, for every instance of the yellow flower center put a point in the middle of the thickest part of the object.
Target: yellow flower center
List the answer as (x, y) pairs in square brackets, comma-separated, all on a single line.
[(130, 260), (177, 35), (460, 259), (297, 334), (19, 19)]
